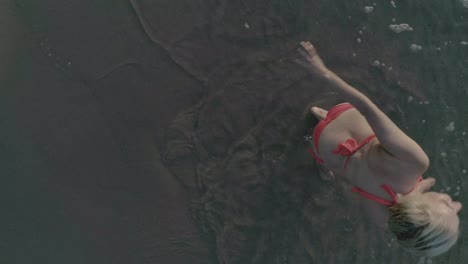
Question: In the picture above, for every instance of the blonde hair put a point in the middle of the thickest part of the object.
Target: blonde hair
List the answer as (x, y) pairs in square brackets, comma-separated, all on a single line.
[(419, 229)]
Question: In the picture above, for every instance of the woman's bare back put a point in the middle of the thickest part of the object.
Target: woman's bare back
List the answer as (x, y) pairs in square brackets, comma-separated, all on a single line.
[(363, 170), (348, 125), (370, 166), (392, 158)]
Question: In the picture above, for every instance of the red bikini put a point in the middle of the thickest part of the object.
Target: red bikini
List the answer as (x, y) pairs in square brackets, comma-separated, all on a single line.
[(388, 189), (347, 149)]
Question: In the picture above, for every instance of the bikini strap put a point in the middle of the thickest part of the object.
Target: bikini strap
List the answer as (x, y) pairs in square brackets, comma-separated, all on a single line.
[(315, 156), (390, 192), (379, 200), (364, 142), (386, 188)]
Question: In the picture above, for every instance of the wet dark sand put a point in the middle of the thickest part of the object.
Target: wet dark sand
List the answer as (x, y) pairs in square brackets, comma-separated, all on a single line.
[(85, 181), (171, 131)]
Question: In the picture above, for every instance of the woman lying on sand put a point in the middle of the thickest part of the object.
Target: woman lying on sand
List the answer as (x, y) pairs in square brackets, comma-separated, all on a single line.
[(357, 142)]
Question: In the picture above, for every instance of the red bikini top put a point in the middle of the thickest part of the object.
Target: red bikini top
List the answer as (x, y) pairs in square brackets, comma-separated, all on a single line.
[(388, 189)]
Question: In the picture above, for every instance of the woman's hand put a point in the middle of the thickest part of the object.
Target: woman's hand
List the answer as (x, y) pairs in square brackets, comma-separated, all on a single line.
[(309, 59)]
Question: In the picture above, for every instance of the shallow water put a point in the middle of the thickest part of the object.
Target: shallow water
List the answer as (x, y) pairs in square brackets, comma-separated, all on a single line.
[(172, 131)]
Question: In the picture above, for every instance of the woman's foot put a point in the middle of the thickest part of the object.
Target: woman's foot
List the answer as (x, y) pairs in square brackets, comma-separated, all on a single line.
[(318, 112)]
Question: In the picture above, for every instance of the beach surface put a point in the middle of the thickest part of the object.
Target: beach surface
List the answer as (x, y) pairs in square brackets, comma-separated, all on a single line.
[(173, 131)]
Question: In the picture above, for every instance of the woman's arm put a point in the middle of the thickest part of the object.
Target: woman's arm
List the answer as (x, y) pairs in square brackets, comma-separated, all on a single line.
[(395, 142)]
